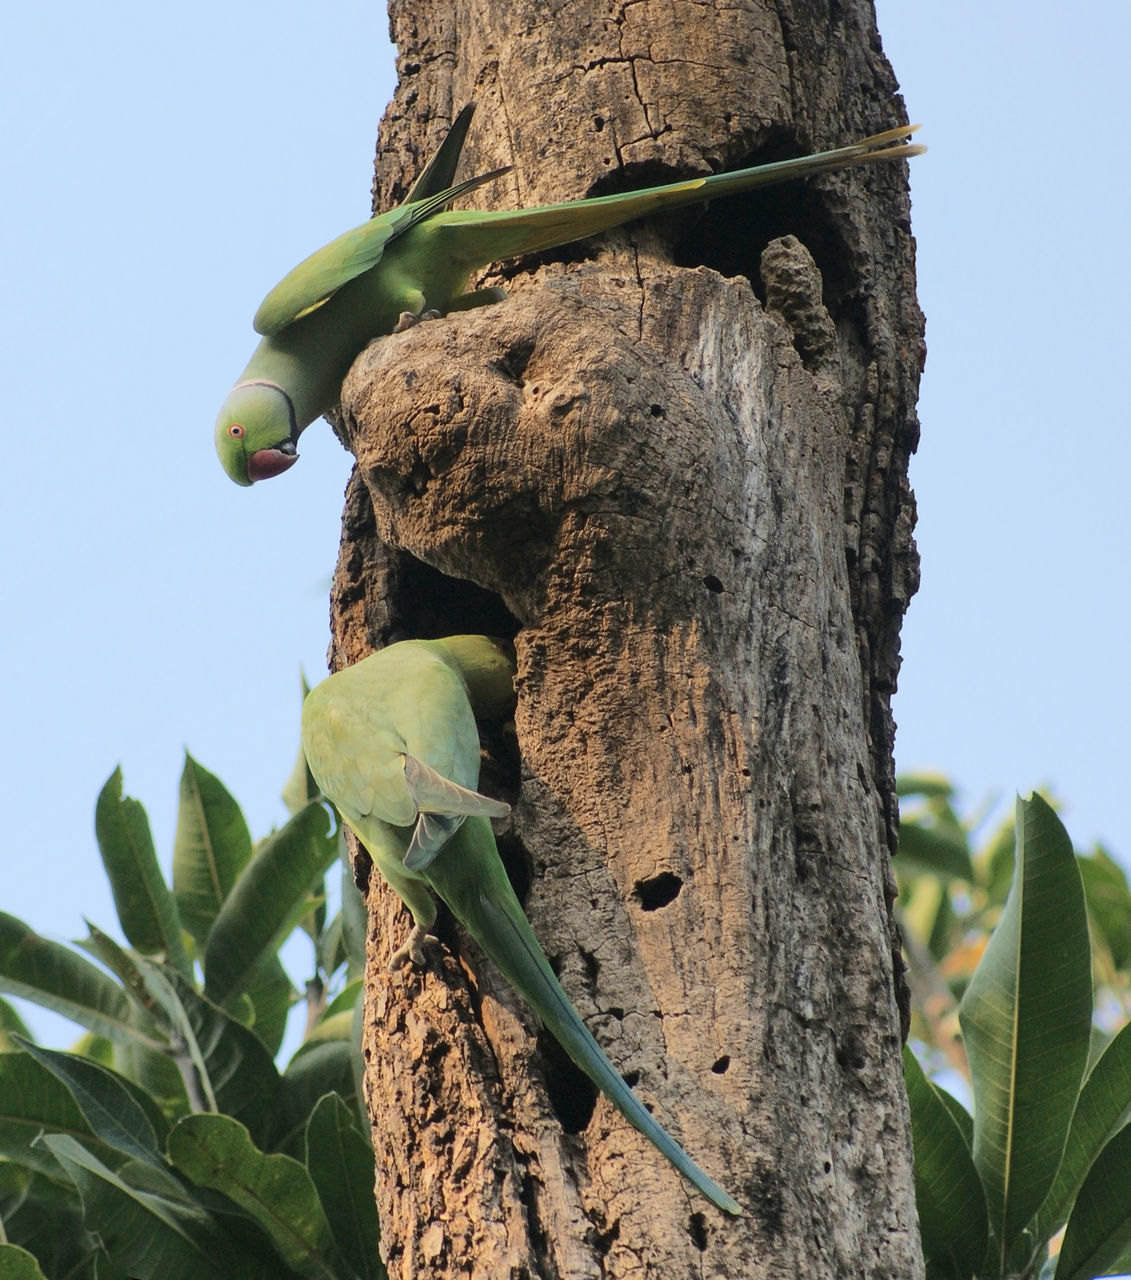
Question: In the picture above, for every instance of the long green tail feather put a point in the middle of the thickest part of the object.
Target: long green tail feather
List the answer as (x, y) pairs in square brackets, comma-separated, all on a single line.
[(479, 238)]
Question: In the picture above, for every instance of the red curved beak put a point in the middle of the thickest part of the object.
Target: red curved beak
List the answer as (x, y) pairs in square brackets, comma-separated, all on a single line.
[(265, 463)]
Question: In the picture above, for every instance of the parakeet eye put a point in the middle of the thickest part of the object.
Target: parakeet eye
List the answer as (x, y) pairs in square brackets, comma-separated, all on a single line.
[(236, 431)]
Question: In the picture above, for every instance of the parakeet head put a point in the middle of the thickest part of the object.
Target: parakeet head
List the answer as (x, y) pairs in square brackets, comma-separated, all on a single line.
[(486, 664), (256, 432)]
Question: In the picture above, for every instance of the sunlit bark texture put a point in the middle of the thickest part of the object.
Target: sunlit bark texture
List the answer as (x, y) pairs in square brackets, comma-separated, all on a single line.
[(672, 465)]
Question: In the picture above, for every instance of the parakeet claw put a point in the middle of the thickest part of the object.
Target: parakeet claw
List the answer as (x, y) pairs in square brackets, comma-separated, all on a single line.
[(408, 320), (413, 948)]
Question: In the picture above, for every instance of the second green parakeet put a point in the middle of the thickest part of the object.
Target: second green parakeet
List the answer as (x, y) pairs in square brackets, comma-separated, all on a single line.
[(371, 733), (416, 260)]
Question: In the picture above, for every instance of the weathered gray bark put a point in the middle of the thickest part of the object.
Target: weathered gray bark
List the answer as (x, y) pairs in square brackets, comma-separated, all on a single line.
[(687, 495)]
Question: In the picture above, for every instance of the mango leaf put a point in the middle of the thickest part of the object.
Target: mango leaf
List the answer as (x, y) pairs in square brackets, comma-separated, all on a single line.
[(355, 917), (32, 1100), (271, 995), (212, 846), (267, 901), (1099, 1227), (157, 989), (44, 1216), (110, 1104), (934, 851), (277, 1192), (56, 977), (1103, 1108), (300, 788), (343, 1003), (1109, 904), (149, 1235), (146, 909), (339, 1160), (10, 1021), (948, 1191), (18, 1264), (318, 1068), (1026, 1019), (241, 1072)]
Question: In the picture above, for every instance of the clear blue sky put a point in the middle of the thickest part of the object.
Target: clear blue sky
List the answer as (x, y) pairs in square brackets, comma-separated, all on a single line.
[(163, 166)]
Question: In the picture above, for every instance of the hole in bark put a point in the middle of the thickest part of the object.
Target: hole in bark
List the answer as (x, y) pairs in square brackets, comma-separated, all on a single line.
[(658, 891), (656, 410), (572, 1094), (733, 231), (712, 583), (518, 863), (603, 1241), (362, 869), (850, 1053), (697, 1230), (719, 1067), (428, 605), (512, 364), (419, 477)]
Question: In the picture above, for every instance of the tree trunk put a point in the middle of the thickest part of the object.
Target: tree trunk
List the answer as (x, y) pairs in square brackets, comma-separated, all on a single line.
[(673, 465)]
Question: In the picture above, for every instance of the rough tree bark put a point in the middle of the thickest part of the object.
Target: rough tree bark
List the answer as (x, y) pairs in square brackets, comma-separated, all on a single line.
[(673, 466)]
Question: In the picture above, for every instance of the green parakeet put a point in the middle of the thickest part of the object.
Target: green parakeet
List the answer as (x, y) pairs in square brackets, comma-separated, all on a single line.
[(415, 260), (392, 741)]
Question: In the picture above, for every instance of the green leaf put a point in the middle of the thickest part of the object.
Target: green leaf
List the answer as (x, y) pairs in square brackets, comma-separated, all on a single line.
[(240, 1070), (932, 785), (211, 848), (151, 985), (18, 1264), (948, 1191), (1099, 1227), (316, 1069), (148, 1235), (934, 851), (44, 1216), (343, 1003), (354, 916), (1109, 904), (339, 1160), (146, 909), (1026, 1017), (276, 1191), (1104, 1107), (271, 995), (300, 788), (109, 1104), (267, 901), (10, 1021), (56, 977), (32, 1100)]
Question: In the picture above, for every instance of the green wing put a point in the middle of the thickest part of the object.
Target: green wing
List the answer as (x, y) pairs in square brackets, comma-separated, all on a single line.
[(440, 172), (316, 279)]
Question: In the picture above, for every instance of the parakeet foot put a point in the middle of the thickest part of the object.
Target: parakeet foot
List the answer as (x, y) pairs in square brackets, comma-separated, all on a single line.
[(408, 320), (412, 949)]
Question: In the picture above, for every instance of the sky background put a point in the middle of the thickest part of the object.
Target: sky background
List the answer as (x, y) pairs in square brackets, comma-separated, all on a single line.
[(164, 166)]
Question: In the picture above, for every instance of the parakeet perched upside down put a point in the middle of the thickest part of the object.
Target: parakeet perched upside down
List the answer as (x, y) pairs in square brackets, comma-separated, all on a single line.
[(416, 259), (392, 741)]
